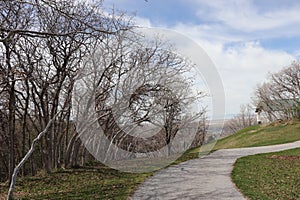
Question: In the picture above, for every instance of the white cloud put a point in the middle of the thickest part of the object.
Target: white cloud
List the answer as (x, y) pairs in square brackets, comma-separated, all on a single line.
[(212, 32), (242, 65), (245, 16), (245, 66), (142, 22)]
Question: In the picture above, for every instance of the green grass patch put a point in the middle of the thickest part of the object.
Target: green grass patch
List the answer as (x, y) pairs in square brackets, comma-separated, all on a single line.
[(254, 136), (98, 182), (269, 176)]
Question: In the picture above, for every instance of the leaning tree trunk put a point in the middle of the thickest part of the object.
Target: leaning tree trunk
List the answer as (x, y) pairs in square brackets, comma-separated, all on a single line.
[(27, 156)]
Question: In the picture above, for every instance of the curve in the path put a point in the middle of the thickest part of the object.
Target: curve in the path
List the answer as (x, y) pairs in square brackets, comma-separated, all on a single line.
[(204, 178)]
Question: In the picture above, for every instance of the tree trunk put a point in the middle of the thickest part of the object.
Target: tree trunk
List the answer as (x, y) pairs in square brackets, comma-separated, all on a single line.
[(69, 150), (11, 109), (83, 156)]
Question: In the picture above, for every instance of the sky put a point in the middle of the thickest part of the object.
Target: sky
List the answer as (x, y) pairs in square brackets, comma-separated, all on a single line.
[(246, 39)]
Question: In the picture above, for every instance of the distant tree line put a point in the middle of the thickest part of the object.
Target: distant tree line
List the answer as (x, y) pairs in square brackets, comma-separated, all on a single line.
[(246, 117), (47, 46)]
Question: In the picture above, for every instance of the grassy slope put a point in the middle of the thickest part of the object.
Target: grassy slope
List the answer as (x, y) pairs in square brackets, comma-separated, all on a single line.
[(98, 182), (269, 176), (262, 136)]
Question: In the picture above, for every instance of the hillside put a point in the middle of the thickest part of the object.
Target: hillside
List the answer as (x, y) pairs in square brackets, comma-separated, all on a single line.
[(276, 133)]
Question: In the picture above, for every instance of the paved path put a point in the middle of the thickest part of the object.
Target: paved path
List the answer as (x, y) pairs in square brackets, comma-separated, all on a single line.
[(204, 178)]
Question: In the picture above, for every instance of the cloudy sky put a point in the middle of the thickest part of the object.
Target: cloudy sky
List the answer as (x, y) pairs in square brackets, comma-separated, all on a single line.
[(246, 39)]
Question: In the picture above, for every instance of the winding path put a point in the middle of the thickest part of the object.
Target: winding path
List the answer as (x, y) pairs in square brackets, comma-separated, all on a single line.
[(203, 178)]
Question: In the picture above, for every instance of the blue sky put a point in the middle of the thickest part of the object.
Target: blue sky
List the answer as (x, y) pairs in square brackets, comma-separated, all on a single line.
[(246, 39)]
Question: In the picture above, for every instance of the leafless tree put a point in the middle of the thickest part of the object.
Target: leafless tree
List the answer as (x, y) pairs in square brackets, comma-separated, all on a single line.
[(279, 96), (139, 84), (245, 118)]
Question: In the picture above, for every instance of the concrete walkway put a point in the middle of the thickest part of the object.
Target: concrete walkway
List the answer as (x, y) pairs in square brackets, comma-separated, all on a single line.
[(204, 178)]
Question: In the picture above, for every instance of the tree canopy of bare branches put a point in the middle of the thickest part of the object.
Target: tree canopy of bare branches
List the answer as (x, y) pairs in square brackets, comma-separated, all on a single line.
[(279, 96), (42, 45), (139, 88)]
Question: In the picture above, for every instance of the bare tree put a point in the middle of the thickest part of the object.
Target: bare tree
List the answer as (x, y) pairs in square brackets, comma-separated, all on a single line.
[(139, 84), (245, 118), (279, 96)]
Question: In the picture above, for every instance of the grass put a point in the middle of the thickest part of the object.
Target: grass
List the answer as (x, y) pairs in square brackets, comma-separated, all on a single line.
[(254, 136), (98, 182), (269, 176)]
